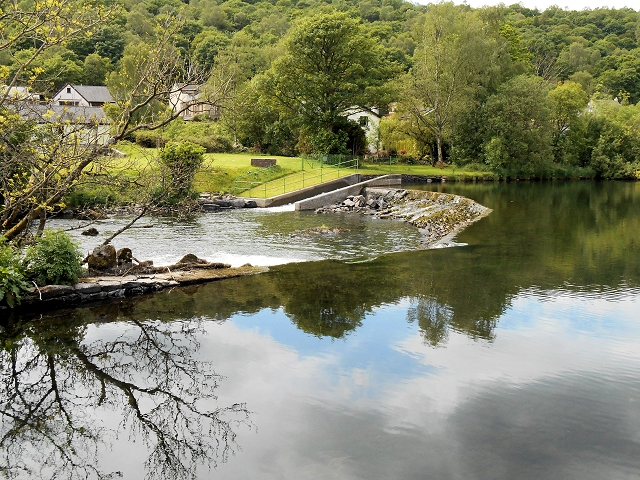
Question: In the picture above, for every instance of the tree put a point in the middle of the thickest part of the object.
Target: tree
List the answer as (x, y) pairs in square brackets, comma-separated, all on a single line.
[(96, 69), (518, 126), (447, 62), (330, 67), (566, 101), (47, 152)]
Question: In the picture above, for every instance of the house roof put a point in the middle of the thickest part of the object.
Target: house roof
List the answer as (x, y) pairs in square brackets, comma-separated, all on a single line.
[(91, 93), (57, 113), (94, 93), (19, 93)]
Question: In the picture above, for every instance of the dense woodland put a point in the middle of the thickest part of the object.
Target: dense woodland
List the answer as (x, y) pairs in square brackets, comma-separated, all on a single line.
[(514, 90)]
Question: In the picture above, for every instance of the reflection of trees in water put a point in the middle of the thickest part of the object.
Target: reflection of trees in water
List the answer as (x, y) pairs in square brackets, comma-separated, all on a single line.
[(55, 388), (435, 319)]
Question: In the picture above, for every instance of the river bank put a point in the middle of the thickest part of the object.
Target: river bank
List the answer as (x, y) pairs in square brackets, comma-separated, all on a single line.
[(104, 287), (437, 216)]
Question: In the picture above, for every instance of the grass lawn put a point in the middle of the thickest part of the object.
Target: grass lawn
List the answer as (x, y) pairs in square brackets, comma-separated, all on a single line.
[(314, 176), (232, 172)]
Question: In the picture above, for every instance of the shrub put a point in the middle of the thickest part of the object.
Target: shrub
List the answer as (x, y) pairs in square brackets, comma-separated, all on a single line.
[(182, 161), (211, 143), (149, 139), (12, 281), (53, 259)]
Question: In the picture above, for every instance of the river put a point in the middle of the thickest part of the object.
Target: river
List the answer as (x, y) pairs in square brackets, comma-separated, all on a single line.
[(515, 354)]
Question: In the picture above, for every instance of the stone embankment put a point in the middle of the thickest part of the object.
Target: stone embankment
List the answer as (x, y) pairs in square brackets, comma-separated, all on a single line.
[(103, 287), (439, 216)]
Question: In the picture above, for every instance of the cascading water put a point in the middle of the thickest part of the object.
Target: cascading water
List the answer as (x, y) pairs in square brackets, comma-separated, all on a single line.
[(269, 236)]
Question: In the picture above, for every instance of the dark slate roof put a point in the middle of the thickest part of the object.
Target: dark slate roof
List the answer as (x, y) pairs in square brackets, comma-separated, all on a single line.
[(94, 93), (56, 113)]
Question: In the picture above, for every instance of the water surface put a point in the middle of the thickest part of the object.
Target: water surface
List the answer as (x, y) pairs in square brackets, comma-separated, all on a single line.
[(515, 356)]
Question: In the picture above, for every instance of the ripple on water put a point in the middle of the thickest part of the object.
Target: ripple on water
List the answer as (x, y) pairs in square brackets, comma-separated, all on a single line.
[(258, 236)]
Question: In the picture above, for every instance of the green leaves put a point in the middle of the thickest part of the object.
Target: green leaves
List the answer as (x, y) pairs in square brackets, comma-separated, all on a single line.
[(53, 259), (181, 161), (12, 281), (330, 66)]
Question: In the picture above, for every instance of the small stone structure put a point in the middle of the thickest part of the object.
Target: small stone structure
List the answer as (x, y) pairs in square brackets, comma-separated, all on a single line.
[(106, 287), (263, 162), (438, 216)]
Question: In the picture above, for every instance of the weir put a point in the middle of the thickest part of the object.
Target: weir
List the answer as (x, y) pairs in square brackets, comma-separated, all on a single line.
[(338, 187)]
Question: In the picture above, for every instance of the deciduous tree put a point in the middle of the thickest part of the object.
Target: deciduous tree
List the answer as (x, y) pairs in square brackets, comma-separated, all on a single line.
[(330, 67), (453, 48)]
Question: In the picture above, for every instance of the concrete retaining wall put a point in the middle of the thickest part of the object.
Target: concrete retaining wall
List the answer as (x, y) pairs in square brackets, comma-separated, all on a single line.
[(292, 197), (337, 196)]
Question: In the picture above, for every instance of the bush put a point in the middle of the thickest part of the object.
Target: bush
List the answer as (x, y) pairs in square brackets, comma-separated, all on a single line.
[(182, 161), (149, 139), (211, 143), (12, 281), (91, 197), (53, 259)]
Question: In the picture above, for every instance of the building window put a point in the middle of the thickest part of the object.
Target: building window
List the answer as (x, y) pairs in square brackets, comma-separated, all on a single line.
[(68, 89)]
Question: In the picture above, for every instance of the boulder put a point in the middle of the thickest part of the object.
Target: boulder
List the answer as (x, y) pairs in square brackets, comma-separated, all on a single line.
[(53, 291), (91, 232), (210, 207), (124, 256), (238, 203), (359, 201), (103, 257), (191, 258)]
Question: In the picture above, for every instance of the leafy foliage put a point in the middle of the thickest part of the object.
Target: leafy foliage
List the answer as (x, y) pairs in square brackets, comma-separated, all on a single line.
[(181, 161), (12, 281), (53, 259)]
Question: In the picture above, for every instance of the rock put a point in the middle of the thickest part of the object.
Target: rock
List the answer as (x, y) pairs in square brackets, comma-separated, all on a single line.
[(222, 203), (110, 285), (124, 256), (86, 288), (237, 203), (210, 207), (251, 204), (359, 201), (191, 258), (146, 263), (102, 257), (91, 215), (66, 214), (348, 203), (91, 232), (53, 291)]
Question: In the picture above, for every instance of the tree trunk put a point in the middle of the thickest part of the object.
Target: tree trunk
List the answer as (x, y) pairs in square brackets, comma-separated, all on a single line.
[(439, 139)]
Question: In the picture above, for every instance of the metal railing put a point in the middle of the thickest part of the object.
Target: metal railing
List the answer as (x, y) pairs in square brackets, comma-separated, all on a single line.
[(316, 169)]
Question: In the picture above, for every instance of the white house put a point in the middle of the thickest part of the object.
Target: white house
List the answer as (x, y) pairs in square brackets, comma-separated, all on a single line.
[(82, 96), (185, 99), (369, 120)]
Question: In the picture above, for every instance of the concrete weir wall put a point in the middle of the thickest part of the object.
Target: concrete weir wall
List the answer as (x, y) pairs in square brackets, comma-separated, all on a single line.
[(336, 196), (292, 197)]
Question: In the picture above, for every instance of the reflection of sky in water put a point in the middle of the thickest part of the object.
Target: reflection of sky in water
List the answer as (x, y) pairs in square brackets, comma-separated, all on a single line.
[(555, 395)]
